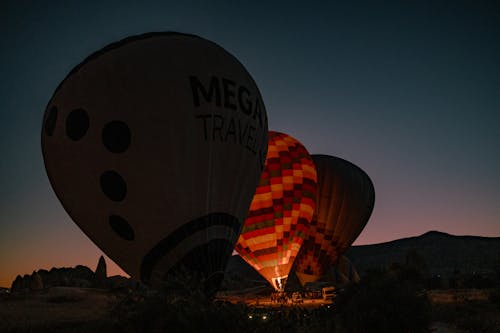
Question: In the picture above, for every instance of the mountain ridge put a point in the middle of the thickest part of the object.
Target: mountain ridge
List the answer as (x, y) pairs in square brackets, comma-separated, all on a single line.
[(444, 254), (431, 233)]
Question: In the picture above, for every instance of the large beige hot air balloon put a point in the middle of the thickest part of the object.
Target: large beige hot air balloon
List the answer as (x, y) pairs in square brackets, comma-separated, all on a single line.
[(344, 204), (281, 210), (154, 146)]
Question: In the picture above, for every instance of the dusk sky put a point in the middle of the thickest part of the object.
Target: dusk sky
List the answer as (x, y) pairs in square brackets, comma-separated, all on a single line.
[(407, 90)]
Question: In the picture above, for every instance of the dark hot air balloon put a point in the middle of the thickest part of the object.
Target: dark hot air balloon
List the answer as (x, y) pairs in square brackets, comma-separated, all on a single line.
[(344, 272), (154, 146), (281, 210), (344, 204)]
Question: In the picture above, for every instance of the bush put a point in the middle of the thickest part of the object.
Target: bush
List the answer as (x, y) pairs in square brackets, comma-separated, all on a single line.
[(384, 302), (472, 316), (182, 305), (64, 299)]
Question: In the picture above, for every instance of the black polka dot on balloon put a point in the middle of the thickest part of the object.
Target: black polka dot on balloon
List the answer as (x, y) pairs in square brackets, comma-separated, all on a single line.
[(113, 186), (77, 124), (121, 227), (116, 136), (50, 121)]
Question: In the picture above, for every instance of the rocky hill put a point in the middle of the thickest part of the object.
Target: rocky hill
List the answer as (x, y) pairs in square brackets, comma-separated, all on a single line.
[(79, 276), (443, 254)]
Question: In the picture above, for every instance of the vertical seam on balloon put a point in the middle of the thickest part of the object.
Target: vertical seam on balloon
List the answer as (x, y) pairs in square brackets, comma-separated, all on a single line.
[(209, 183)]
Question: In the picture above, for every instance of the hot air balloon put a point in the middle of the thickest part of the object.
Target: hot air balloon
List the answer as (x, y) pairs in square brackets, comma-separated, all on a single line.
[(281, 210), (154, 146), (343, 206), (344, 272)]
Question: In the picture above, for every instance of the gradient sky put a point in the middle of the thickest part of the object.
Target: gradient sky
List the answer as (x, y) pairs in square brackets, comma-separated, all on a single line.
[(407, 90)]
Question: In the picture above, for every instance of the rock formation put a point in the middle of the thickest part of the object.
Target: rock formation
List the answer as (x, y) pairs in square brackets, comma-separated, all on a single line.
[(35, 282), (101, 271), (17, 284), (100, 274), (79, 276)]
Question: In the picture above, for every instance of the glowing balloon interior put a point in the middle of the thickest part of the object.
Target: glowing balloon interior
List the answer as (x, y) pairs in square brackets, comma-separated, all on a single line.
[(281, 210), (154, 146), (344, 204)]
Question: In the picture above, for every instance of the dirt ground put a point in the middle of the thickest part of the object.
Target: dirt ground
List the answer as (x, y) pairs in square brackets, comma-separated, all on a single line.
[(59, 305), (457, 295), (439, 327), (464, 310)]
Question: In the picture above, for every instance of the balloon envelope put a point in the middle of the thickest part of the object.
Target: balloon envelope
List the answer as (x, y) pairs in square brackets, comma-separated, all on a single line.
[(344, 204), (281, 210), (344, 272), (154, 146)]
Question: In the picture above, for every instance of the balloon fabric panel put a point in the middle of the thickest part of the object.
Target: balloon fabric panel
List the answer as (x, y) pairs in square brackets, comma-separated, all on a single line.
[(344, 204), (281, 210)]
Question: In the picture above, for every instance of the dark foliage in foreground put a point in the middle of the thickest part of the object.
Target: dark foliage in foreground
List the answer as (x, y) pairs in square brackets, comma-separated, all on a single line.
[(182, 306), (390, 301), (471, 316), (383, 302)]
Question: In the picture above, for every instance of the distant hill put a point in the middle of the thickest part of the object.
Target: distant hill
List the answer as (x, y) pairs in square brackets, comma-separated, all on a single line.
[(443, 253)]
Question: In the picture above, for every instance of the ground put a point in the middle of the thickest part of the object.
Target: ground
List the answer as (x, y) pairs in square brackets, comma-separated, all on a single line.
[(63, 308), (56, 306)]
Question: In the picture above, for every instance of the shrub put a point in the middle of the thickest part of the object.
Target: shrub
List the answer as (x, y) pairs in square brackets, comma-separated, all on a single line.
[(384, 302)]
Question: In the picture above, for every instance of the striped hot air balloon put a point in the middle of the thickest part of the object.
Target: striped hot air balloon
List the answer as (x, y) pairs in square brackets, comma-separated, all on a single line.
[(344, 204), (281, 210)]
